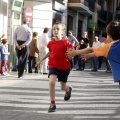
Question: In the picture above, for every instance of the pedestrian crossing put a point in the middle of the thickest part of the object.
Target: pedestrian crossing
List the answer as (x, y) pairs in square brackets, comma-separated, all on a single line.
[(94, 96)]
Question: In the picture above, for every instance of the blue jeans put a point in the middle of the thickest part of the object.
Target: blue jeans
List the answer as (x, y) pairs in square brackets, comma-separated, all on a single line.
[(95, 63)]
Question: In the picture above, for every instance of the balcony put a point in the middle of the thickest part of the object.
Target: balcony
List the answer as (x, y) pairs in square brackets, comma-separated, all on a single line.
[(81, 6)]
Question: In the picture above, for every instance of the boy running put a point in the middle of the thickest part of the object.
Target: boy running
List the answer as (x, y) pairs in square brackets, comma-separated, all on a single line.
[(59, 66)]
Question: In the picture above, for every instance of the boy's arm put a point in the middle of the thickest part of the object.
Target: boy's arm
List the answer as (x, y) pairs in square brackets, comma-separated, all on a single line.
[(72, 52), (40, 61)]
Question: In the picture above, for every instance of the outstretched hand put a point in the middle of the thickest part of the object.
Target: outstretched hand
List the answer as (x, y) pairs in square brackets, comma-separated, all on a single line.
[(70, 52), (85, 56)]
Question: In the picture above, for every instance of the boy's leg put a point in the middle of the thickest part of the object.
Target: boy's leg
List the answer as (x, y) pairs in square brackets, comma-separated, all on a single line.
[(52, 80), (64, 86), (68, 90)]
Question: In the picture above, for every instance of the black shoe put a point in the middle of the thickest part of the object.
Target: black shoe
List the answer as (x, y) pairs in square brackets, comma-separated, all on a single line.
[(14, 70), (68, 95), (30, 71), (52, 108), (82, 69), (78, 69), (94, 70), (36, 72), (45, 73)]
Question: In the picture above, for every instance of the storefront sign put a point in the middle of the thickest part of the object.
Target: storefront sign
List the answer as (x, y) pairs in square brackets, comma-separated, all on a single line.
[(91, 24), (17, 16), (17, 5), (58, 6)]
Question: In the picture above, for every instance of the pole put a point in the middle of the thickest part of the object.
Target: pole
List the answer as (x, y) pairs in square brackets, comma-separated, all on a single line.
[(11, 41)]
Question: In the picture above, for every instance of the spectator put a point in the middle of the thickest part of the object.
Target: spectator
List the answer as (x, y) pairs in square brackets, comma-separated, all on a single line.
[(4, 57), (95, 59), (83, 43), (72, 39), (34, 51), (22, 38), (44, 39)]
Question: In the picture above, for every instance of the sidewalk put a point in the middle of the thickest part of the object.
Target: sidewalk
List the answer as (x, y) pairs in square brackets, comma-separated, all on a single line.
[(95, 97)]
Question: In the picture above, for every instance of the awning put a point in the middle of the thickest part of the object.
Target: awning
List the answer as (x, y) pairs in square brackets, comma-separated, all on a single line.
[(80, 8)]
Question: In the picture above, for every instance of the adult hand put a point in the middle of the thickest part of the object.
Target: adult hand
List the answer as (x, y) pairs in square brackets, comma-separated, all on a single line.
[(18, 47)]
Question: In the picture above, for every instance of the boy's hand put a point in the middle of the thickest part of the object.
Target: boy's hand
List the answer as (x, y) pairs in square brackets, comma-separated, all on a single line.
[(85, 56), (70, 52)]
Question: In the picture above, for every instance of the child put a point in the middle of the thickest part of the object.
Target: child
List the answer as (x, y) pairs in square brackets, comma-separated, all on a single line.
[(4, 57), (111, 49), (59, 66)]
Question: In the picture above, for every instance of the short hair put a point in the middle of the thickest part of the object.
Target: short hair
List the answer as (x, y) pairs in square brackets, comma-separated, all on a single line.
[(63, 25), (35, 34), (4, 41), (113, 29), (25, 21), (70, 32), (96, 37), (45, 30)]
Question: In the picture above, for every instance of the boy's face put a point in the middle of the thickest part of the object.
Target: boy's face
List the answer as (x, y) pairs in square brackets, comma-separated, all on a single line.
[(57, 30)]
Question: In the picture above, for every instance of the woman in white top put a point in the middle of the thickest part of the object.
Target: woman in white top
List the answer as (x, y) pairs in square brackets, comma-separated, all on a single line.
[(44, 39)]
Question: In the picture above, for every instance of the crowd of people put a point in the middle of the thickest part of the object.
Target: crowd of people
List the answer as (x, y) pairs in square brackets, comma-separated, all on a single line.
[(29, 49), (34, 52)]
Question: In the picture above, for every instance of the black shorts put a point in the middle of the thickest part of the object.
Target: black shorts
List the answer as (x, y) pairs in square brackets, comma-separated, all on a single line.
[(62, 75)]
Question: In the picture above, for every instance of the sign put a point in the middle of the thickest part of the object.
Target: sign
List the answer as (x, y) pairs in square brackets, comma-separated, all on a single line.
[(17, 16), (28, 13), (91, 24), (59, 6), (17, 5)]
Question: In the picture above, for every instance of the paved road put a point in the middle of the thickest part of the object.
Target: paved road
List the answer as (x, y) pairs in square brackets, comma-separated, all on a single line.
[(95, 97)]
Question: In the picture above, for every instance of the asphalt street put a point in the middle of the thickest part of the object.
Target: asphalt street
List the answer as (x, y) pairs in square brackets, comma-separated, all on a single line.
[(95, 96)]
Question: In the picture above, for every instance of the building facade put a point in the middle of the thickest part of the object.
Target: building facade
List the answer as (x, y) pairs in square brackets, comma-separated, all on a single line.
[(3, 17), (78, 15)]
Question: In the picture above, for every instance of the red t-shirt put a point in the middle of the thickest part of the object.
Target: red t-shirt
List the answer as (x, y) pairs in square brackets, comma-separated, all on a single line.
[(57, 58)]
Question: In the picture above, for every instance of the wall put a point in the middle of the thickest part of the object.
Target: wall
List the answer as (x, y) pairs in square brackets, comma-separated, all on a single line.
[(42, 14), (3, 17)]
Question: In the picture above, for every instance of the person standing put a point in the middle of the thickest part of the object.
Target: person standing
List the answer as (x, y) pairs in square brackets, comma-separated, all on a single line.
[(22, 38), (95, 59), (83, 43), (44, 39), (72, 39), (34, 51), (2, 37), (59, 66), (4, 57)]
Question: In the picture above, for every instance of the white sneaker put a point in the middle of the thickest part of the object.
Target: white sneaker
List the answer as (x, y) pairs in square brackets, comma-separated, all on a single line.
[(7, 74), (108, 71), (3, 74)]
